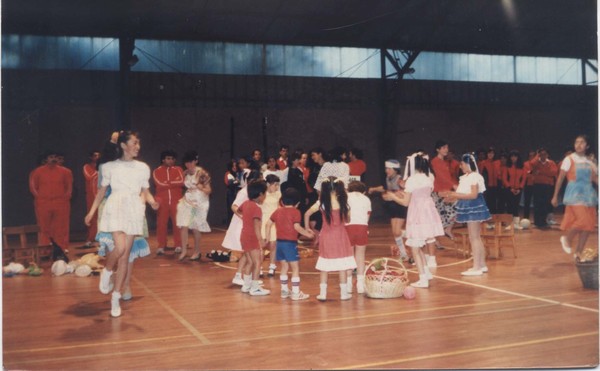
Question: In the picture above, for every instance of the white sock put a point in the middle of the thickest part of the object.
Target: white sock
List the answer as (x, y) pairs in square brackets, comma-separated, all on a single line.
[(323, 289), (247, 280), (343, 289), (400, 244), (295, 285), (349, 285), (255, 285), (283, 279), (360, 284)]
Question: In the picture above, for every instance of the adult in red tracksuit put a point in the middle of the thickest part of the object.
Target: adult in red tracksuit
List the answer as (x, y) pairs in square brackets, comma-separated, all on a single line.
[(168, 180), (51, 186), (490, 169), (90, 175)]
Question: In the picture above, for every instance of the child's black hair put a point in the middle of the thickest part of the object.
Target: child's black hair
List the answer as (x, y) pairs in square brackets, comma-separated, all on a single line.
[(272, 179), (256, 188), (334, 185), (422, 165), (469, 158), (290, 197)]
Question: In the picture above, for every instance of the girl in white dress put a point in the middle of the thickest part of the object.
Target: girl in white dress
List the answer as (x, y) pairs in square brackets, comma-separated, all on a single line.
[(192, 209), (123, 213)]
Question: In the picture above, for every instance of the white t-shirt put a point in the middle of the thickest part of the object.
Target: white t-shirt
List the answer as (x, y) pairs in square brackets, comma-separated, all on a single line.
[(125, 176), (566, 164), (419, 180), (360, 208), (466, 181)]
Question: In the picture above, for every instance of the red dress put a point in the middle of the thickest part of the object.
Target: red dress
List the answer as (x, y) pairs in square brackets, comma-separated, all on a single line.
[(335, 250)]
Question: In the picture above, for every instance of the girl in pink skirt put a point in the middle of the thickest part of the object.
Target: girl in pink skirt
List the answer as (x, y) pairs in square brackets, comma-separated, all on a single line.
[(423, 222)]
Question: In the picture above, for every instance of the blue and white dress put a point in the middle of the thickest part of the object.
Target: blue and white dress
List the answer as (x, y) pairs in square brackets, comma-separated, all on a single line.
[(474, 210)]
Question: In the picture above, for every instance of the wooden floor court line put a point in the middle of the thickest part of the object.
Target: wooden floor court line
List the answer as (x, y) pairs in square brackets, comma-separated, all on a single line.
[(470, 350), (173, 312)]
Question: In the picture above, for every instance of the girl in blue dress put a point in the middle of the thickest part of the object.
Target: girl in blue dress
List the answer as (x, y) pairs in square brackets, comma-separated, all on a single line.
[(471, 209)]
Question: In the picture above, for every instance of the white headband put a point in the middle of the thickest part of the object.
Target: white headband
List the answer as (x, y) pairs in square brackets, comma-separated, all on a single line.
[(392, 165)]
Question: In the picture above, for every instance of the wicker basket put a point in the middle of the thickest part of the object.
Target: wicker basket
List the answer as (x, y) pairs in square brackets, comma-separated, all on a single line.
[(385, 284)]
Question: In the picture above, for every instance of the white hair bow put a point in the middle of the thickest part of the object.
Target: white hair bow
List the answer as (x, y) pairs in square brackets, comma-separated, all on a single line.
[(410, 163)]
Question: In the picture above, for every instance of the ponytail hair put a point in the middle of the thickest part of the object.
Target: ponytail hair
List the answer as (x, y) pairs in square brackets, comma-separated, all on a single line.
[(469, 158), (334, 185)]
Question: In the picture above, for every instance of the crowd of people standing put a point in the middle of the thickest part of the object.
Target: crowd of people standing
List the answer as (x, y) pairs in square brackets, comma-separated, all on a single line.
[(324, 187)]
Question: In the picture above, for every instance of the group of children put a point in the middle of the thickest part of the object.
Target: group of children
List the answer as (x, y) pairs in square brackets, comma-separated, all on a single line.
[(343, 237)]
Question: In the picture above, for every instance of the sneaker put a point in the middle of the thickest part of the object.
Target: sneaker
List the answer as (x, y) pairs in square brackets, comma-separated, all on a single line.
[(259, 291), (484, 269), (115, 310), (299, 296), (565, 244), (420, 284), (178, 250), (237, 280), (127, 295), (160, 251), (489, 226), (104, 285), (272, 268), (322, 297), (472, 272), (245, 289), (345, 296), (428, 275), (285, 294)]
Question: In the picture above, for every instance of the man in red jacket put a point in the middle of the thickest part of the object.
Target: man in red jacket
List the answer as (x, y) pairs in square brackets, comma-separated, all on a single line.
[(168, 180), (51, 186)]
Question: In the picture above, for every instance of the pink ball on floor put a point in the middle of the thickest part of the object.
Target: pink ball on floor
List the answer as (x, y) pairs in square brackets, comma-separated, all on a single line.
[(410, 292)]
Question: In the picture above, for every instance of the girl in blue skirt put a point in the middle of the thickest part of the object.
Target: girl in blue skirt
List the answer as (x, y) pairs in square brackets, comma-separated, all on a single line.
[(471, 209)]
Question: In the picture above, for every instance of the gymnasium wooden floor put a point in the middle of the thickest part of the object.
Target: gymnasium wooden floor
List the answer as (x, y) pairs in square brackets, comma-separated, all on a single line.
[(528, 312)]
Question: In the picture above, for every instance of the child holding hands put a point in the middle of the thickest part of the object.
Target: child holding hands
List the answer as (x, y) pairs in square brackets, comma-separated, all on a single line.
[(287, 219), (335, 250), (251, 238)]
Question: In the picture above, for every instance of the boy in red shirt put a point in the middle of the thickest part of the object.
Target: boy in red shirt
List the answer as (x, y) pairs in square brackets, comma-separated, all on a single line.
[(251, 237), (287, 219)]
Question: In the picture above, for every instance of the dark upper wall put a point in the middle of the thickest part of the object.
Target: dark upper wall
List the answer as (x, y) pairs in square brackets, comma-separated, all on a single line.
[(75, 112)]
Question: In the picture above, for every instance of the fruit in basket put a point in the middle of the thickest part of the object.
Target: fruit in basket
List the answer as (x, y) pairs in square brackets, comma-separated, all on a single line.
[(409, 292)]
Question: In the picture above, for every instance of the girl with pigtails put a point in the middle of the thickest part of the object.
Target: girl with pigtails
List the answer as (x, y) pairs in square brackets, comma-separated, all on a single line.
[(335, 249), (423, 222), (471, 209)]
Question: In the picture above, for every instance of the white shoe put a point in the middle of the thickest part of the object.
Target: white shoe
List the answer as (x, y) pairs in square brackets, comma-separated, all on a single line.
[(360, 288), (322, 297), (160, 251), (421, 284), (299, 296), (178, 250), (105, 284), (115, 310), (127, 295), (285, 294), (428, 275), (345, 296), (565, 244), (237, 280), (245, 289), (484, 269), (259, 291), (472, 272)]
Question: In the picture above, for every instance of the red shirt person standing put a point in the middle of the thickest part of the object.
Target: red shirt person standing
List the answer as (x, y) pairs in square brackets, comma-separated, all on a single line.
[(51, 186), (168, 180)]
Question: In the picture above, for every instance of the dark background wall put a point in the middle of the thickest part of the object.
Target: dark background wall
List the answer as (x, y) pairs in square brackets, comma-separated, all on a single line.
[(75, 111)]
